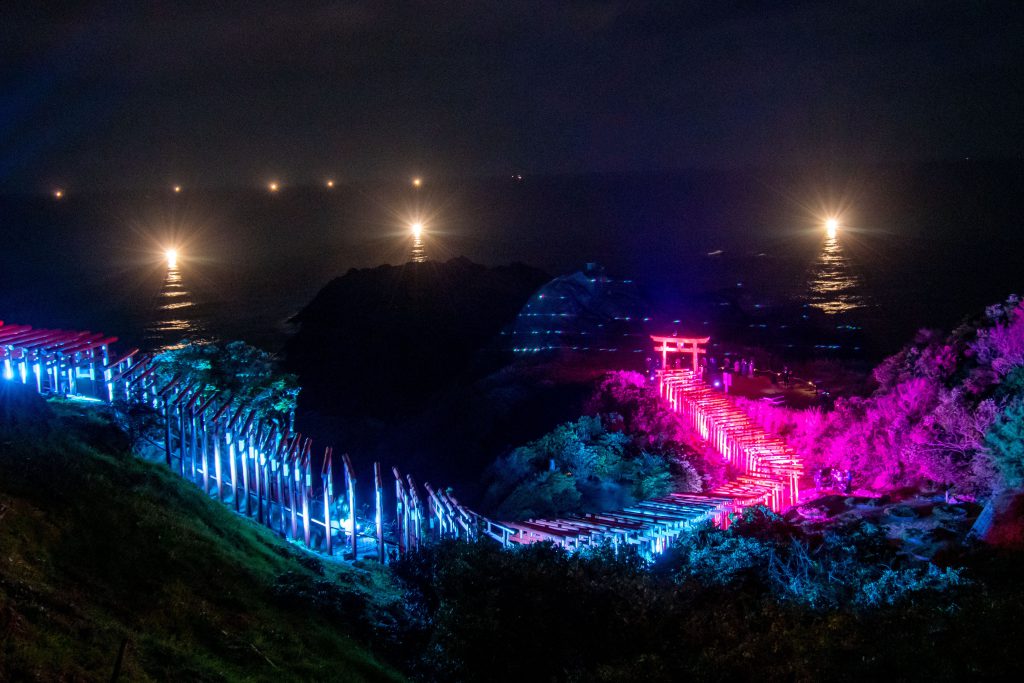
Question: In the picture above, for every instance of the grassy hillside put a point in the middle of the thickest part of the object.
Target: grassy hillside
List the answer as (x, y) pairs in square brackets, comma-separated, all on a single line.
[(97, 546)]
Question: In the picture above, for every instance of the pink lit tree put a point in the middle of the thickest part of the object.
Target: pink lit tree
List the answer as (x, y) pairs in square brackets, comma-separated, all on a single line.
[(948, 410)]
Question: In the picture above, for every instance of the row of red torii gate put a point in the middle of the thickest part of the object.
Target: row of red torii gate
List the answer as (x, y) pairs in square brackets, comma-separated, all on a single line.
[(769, 470), (267, 473)]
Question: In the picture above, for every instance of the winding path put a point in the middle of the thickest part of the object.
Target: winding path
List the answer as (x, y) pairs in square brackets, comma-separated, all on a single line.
[(266, 473)]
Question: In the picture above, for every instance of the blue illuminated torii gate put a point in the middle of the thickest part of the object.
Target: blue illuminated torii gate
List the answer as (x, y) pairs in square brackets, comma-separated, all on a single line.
[(268, 465)]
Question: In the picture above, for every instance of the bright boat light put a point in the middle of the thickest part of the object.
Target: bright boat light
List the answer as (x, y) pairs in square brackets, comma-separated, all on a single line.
[(172, 258), (417, 229), (831, 226)]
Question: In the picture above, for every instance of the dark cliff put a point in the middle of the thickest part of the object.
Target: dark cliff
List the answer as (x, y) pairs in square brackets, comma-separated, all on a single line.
[(380, 341)]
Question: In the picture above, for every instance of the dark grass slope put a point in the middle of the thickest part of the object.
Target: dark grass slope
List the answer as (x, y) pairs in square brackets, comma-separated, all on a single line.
[(97, 546)]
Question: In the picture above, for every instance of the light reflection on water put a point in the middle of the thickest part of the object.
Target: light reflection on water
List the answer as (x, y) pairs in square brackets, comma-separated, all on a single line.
[(173, 321), (419, 250), (833, 285)]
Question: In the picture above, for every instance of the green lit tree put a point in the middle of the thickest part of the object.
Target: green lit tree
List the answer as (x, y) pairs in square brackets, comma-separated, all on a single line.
[(1005, 440), (578, 466), (244, 374)]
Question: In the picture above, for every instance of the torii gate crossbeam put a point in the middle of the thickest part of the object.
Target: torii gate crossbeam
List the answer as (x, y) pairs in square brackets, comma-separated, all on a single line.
[(690, 345)]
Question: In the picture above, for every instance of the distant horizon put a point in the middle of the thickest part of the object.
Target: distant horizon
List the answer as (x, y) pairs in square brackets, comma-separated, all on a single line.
[(341, 182)]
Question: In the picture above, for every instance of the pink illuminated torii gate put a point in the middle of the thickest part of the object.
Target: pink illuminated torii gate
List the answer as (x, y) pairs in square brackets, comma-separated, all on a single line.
[(765, 460), (767, 472), (690, 345)]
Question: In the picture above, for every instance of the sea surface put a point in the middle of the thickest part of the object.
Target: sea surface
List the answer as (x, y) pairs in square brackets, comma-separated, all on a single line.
[(916, 246)]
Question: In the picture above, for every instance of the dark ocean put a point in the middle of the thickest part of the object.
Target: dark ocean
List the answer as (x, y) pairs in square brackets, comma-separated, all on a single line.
[(921, 245)]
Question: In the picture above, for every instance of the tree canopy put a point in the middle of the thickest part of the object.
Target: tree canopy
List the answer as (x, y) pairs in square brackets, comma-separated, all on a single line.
[(244, 374), (603, 461), (947, 410)]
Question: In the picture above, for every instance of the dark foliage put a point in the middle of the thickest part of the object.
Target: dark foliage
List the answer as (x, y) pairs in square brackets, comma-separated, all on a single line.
[(583, 465), (761, 599)]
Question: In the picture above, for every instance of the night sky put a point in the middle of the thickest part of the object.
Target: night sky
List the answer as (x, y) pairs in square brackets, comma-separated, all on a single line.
[(122, 94)]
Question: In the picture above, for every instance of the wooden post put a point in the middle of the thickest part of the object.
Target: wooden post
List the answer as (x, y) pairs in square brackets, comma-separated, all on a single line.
[(179, 406), (431, 513), (257, 484), (108, 371), (260, 460), (326, 481), (379, 508), (306, 488), (293, 480), (181, 440), (265, 461), (350, 492), (200, 412), (401, 514), (417, 511), (163, 395), (243, 454), (190, 417), (269, 460), (244, 462), (233, 469), (215, 439), (436, 510), (206, 459), (280, 462), (281, 454), (217, 433), (244, 441), (167, 433), (267, 466), (195, 442)]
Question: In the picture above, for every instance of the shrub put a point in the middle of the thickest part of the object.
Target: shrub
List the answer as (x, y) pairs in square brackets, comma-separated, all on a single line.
[(947, 410), (1005, 440), (581, 465)]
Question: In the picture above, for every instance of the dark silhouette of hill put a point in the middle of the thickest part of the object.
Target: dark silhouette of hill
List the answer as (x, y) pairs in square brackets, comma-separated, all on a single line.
[(380, 341)]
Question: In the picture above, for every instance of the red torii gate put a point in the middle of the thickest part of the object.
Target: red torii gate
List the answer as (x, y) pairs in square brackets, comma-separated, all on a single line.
[(690, 345)]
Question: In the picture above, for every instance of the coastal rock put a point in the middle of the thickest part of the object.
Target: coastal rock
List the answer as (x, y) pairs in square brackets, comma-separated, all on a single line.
[(380, 341)]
